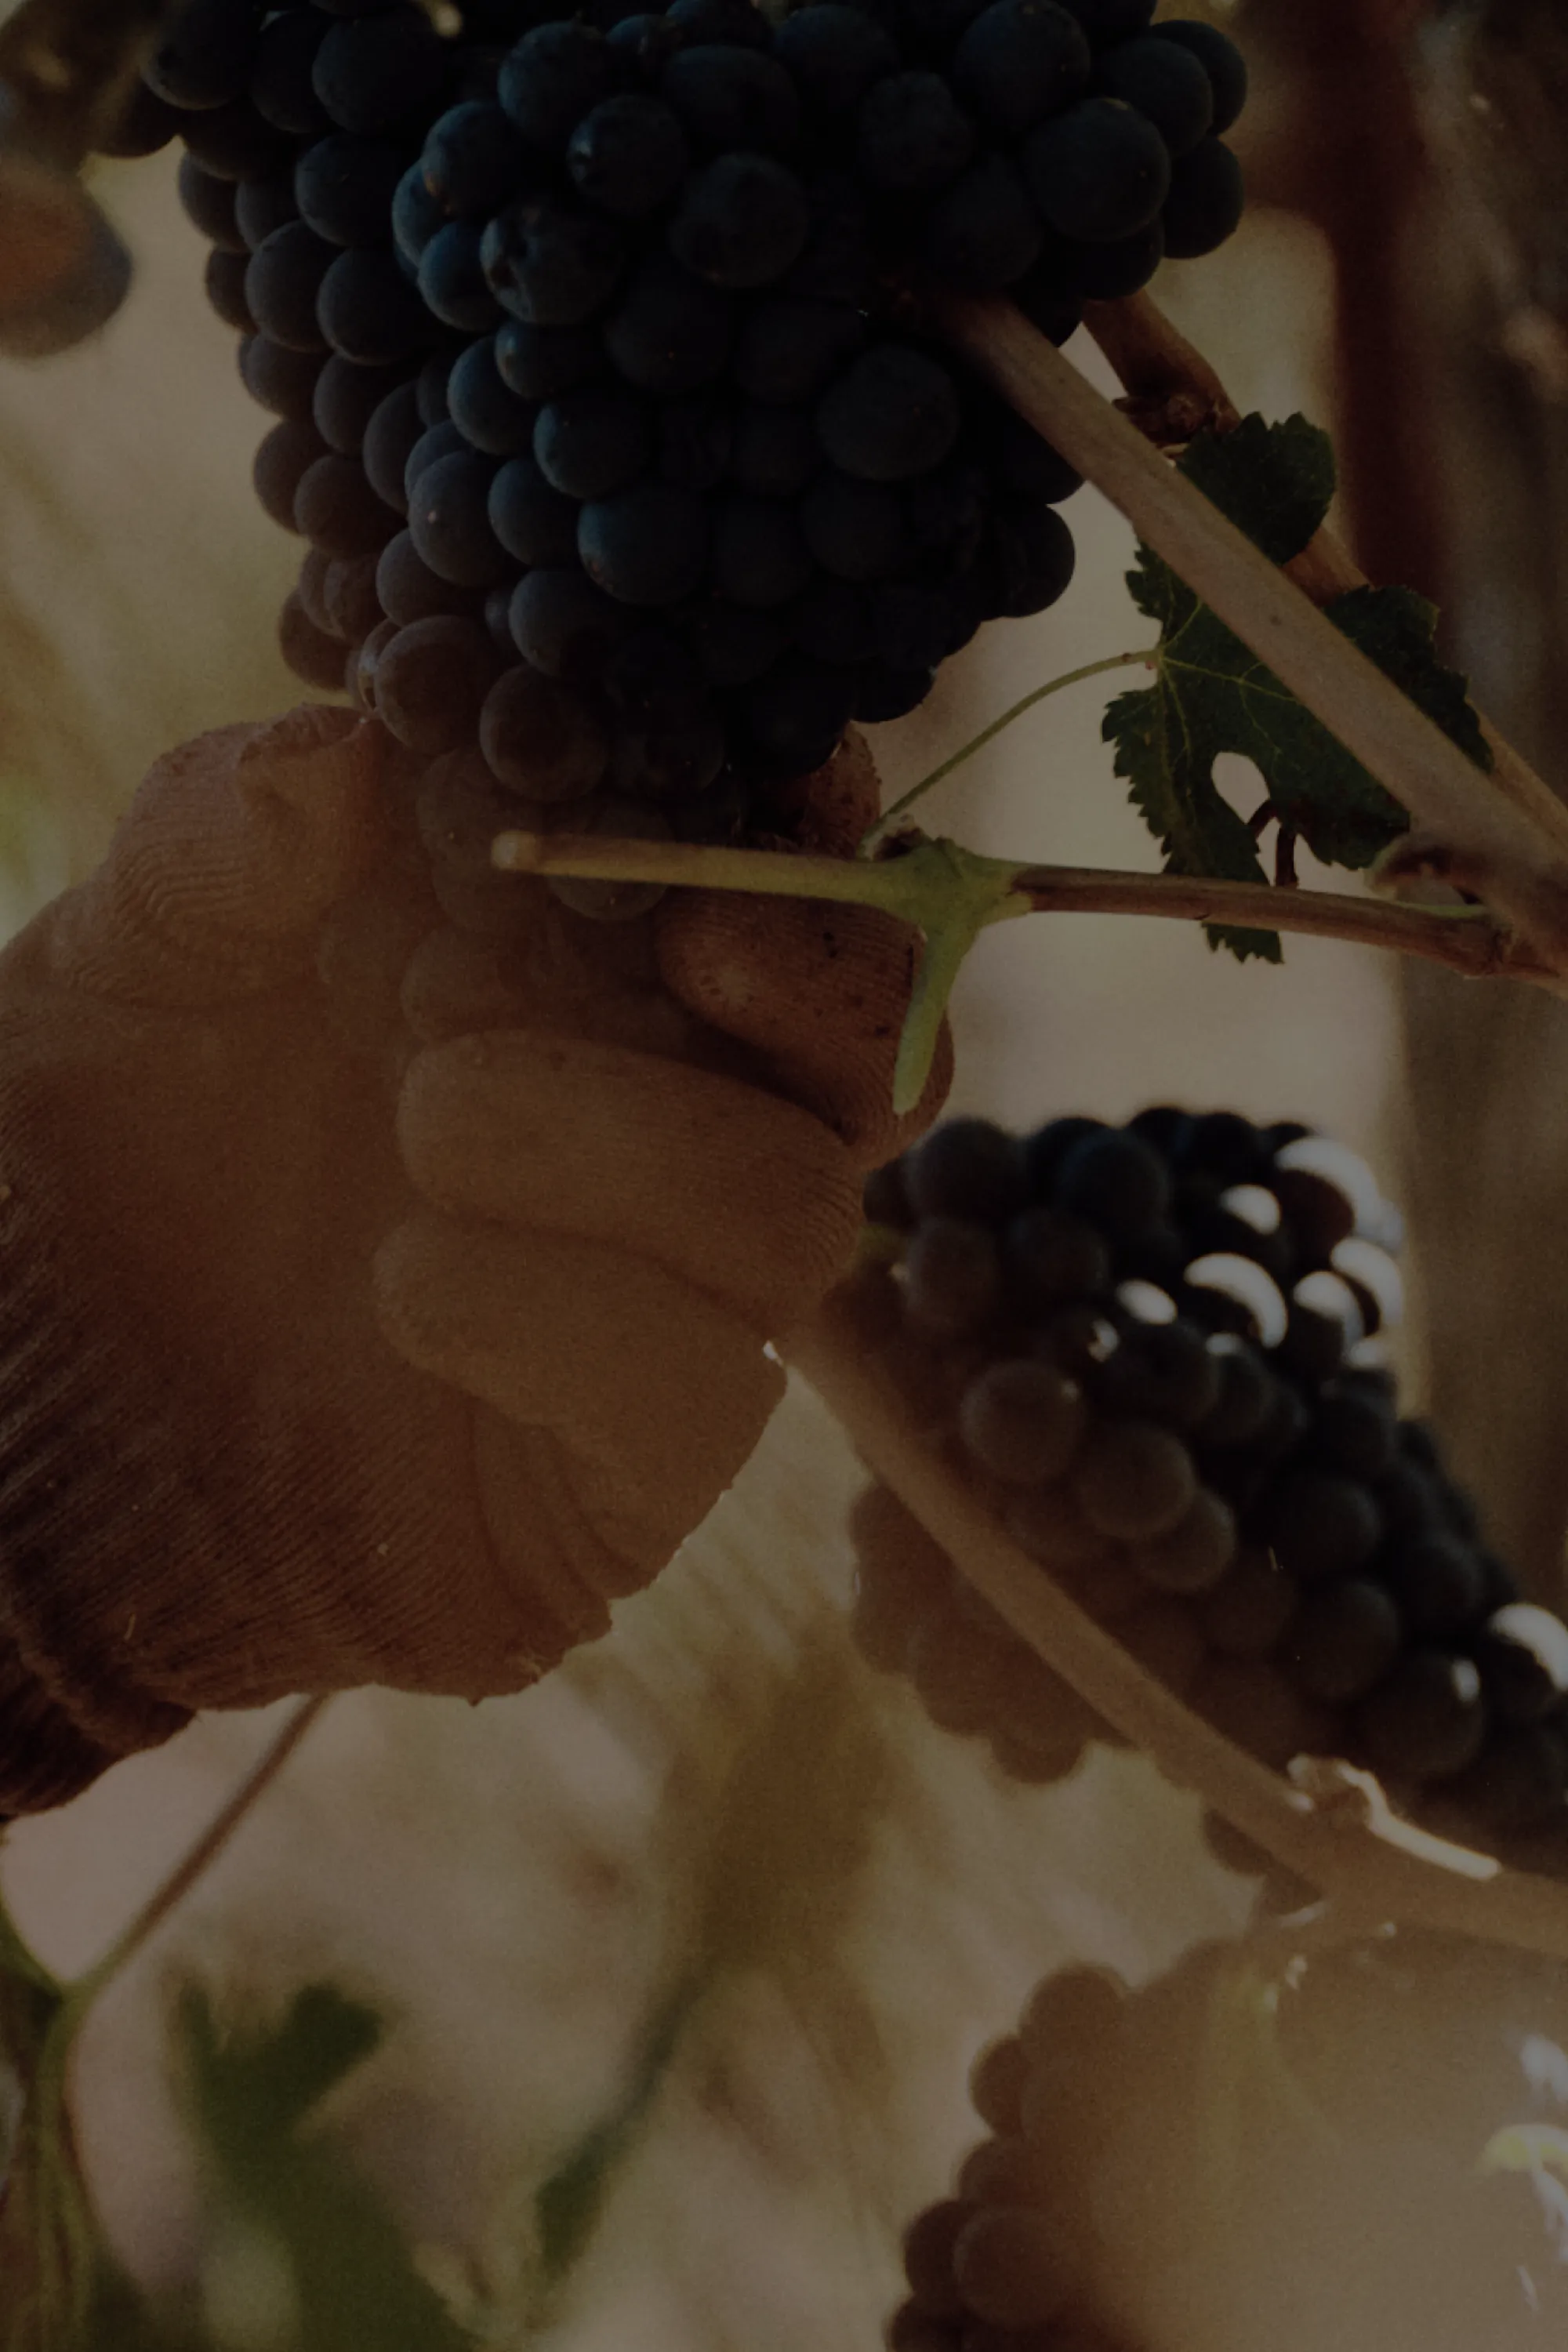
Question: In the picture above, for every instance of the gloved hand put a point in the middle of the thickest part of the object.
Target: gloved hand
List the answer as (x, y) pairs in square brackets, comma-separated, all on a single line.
[(378, 1300)]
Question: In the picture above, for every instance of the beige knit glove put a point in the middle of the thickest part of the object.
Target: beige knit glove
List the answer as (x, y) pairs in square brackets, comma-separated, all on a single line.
[(379, 1298)]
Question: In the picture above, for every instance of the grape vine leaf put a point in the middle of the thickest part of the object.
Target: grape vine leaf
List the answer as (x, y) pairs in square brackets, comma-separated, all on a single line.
[(1212, 695), (303, 2217)]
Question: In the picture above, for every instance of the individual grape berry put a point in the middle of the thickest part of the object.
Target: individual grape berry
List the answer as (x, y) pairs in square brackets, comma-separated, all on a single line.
[(1019, 61), (1027, 558), (670, 333), (144, 125), (1322, 1525), (344, 187), (1116, 1180), (432, 680), (391, 435), (309, 652), (279, 379), (234, 142), (549, 262), (540, 739), (856, 529), (612, 902), (1343, 1638), (628, 156), (564, 626), (1206, 201), (794, 716), (788, 347), (408, 588), (348, 596), (449, 522), (1166, 82), (733, 22), (260, 207), (336, 508), (1439, 1582), (953, 1276), (831, 621), (208, 204), (758, 558), (452, 282), (282, 280), (742, 220), (1021, 1421), (373, 73), (832, 55), (1098, 171), (1248, 1612), (1014, 2268), (591, 443), (345, 398), (416, 216), (540, 363), (532, 518), (487, 412), (471, 162), (281, 82), (735, 647), (1426, 1719), (1134, 1481), (984, 232), (367, 310), (551, 79), (647, 545), (668, 764), (281, 461), (912, 137), (204, 57), (694, 436), (892, 414), (732, 99), (1221, 60)]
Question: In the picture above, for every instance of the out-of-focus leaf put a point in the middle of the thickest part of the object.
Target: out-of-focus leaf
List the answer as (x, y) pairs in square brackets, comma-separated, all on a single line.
[(298, 2235), (567, 2207)]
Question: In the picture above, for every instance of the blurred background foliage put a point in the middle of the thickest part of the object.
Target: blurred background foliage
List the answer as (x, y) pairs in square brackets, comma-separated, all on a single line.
[(637, 2011)]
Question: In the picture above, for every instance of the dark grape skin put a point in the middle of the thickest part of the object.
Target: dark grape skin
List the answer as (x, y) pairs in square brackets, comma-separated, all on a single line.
[(952, 1278), (789, 346), (1098, 171), (368, 312), (408, 588), (1019, 61), (344, 185), (260, 207), (591, 443), (894, 413), (1427, 1721), (208, 204), (551, 79), (234, 143), (1022, 1421), (390, 437), (483, 406), (345, 398), (472, 162), (912, 137), (205, 56), (279, 379), (855, 529), (280, 85), (539, 364), (741, 221), (145, 125), (282, 280), (758, 559), (562, 625), (794, 716), (431, 682), (1206, 201), (832, 55), (371, 73), (337, 509), (730, 100), (1221, 60), (541, 739), (448, 520), (281, 463), (965, 1168), (1166, 82), (531, 518), (550, 263), (670, 333), (628, 156), (452, 282), (311, 653), (647, 545), (984, 232), (1343, 1640)]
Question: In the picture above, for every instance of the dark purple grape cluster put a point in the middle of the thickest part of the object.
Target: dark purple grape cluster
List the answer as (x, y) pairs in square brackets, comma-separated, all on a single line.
[(601, 397), (1153, 1349), (1288, 2148)]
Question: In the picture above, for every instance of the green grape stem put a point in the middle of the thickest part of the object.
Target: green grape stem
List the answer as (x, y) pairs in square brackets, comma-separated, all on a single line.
[(890, 818), (952, 894)]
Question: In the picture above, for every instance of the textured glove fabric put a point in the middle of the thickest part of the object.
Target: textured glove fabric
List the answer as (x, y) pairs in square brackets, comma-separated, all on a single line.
[(379, 1301)]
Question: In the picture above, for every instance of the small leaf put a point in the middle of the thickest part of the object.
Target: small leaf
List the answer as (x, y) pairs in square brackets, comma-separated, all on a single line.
[(1213, 696)]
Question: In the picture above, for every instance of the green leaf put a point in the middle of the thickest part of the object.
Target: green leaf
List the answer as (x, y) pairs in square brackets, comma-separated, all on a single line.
[(1275, 482), (568, 2205), (1213, 696), (298, 2226)]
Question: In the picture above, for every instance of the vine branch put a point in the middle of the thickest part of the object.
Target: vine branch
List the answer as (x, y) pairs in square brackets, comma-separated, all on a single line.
[(1467, 940), (1329, 1823)]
